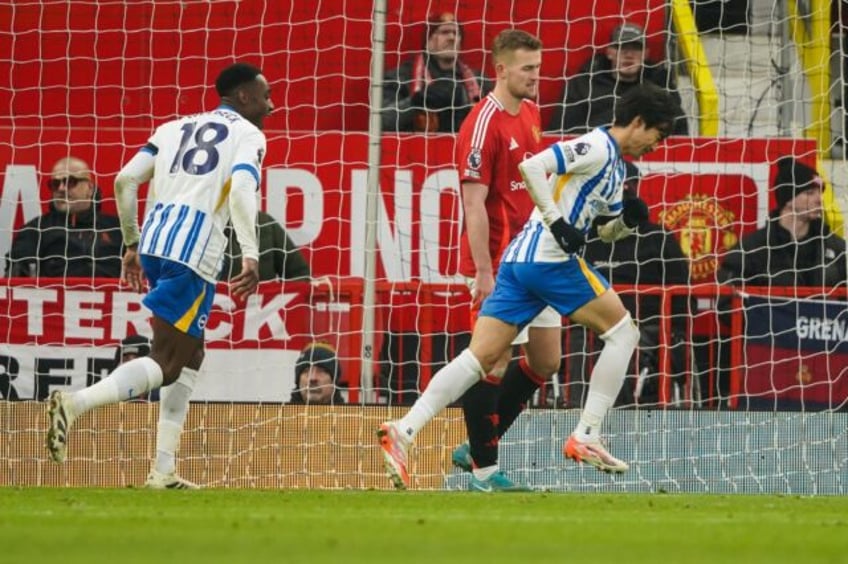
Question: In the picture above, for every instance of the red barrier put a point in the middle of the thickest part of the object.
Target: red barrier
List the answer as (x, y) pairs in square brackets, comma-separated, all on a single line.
[(418, 328)]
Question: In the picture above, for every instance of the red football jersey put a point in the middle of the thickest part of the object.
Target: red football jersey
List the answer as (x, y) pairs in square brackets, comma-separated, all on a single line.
[(490, 144)]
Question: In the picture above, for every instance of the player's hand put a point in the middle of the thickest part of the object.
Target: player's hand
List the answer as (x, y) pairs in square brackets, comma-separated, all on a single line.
[(635, 212), (567, 236), (483, 285), (131, 273), (247, 280)]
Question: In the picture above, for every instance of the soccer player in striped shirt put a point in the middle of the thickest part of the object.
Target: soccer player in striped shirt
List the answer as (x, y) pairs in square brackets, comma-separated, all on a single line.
[(571, 183), (497, 135), (203, 170)]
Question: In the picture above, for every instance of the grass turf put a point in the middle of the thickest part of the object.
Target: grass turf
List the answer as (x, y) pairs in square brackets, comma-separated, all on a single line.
[(131, 525)]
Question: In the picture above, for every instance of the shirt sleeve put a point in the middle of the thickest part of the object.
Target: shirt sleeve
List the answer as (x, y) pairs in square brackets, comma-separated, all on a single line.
[(137, 171), (475, 150)]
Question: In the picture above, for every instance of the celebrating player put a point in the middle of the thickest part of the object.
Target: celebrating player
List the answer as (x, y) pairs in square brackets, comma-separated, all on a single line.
[(541, 268), (497, 135), (203, 170)]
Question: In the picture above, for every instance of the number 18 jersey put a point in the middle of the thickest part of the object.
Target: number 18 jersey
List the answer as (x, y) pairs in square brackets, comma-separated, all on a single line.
[(195, 157)]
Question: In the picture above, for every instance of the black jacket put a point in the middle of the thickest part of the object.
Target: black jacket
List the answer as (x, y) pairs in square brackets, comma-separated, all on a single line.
[(446, 95), (588, 101), (651, 256), (771, 257), (57, 244), (278, 256)]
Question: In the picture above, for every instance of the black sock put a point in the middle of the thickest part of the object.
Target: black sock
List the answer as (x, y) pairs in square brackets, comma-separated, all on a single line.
[(479, 405), (518, 386)]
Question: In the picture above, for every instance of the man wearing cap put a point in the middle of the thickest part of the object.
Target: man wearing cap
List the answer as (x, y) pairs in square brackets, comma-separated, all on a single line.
[(316, 376), (796, 247), (590, 97), (434, 90)]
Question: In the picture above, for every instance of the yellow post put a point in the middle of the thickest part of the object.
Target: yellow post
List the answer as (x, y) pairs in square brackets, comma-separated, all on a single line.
[(698, 67), (811, 34)]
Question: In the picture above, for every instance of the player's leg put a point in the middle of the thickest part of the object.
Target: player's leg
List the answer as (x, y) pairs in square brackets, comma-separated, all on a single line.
[(173, 408), (180, 353), (180, 301), (508, 308), (607, 316), (479, 454), (575, 289), (480, 410), (543, 351), (490, 338)]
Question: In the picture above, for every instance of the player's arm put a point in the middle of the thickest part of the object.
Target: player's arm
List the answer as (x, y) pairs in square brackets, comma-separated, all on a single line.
[(535, 171), (633, 212), (136, 172), (477, 227), (244, 183)]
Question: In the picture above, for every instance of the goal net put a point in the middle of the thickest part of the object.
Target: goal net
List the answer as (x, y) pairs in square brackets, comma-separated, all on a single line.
[(734, 388)]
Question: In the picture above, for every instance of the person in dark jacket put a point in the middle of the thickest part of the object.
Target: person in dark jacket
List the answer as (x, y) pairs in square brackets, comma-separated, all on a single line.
[(435, 89), (589, 97), (651, 257), (279, 259), (316, 376), (74, 238), (796, 247)]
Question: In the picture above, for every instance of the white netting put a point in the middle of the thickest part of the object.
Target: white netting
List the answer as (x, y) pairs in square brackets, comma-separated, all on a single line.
[(91, 80)]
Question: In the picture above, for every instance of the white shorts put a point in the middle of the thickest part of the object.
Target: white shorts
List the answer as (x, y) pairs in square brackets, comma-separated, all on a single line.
[(548, 317)]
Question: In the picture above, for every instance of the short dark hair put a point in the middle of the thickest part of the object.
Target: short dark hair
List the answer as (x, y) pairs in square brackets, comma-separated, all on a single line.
[(234, 76), (655, 105)]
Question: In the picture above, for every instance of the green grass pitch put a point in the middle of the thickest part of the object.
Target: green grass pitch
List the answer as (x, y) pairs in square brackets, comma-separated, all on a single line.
[(132, 525)]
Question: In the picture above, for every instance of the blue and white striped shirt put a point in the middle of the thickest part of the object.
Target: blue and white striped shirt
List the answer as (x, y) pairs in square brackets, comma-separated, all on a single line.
[(588, 182)]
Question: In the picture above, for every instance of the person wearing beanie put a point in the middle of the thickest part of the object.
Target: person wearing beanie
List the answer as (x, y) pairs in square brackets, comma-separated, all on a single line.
[(316, 376), (134, 346), (434, 90), (130, 348), (796, 247)]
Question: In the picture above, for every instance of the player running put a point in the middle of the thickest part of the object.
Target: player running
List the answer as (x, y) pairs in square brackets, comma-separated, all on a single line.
[(203, 170), (541, 268), (501, 130)]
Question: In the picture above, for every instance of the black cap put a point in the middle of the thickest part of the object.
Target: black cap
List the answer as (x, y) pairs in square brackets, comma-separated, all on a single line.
[(628, 34), (321, 355), (792, 178)]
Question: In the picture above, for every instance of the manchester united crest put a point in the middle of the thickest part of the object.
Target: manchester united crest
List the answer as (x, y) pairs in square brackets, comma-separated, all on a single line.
[(705, 231)]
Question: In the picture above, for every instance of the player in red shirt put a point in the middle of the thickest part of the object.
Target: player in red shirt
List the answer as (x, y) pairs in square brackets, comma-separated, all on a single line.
[(500, 132)]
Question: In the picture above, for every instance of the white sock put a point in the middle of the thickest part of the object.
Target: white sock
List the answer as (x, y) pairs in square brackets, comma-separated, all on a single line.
[(128, 380), (484, 474), (447, 386), (173, 407), (607, 377)]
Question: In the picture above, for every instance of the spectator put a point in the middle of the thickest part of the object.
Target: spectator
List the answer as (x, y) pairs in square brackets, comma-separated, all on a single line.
[(278, 256), (132, 347), (317, 373), (74, 238), (795, 248), (590, 97), (651, 257), (434, 90)]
